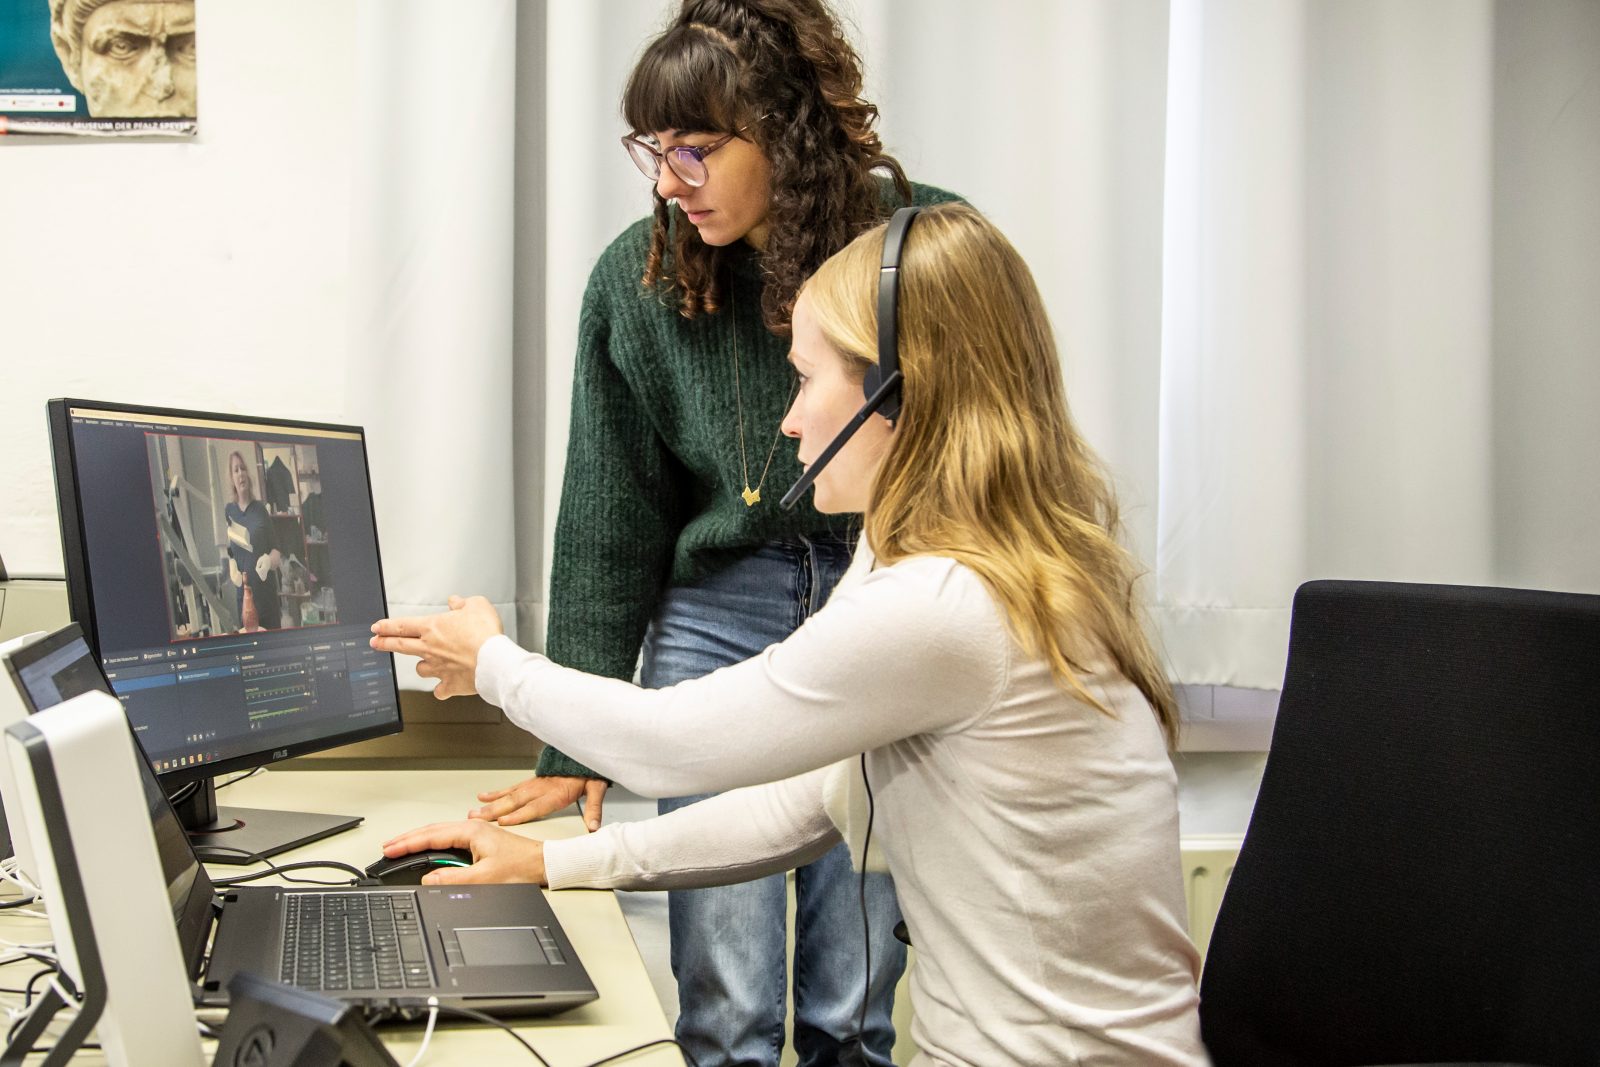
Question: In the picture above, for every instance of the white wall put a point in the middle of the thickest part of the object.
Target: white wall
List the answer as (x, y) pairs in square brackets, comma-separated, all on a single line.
[(211, 274), (334, 246)]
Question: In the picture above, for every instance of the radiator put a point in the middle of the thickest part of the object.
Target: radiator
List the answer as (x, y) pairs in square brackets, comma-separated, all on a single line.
[(1207, 865)]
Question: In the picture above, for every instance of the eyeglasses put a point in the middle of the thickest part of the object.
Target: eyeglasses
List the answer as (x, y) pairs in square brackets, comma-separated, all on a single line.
[(687, 161)]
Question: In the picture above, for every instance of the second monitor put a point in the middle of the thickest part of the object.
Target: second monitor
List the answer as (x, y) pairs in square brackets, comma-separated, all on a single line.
[(225, 570)]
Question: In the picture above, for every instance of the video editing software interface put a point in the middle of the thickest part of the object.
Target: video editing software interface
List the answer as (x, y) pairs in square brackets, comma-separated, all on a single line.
[(234, 576)]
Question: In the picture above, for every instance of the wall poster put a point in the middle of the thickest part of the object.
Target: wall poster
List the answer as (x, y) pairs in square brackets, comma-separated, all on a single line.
[(97, 68)]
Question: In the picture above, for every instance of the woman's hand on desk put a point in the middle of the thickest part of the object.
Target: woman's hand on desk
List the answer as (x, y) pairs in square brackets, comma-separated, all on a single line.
[(447, 643), (538, 797), (497, 855)]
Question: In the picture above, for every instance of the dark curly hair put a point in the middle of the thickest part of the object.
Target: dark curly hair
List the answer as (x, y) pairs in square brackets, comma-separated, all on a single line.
[(781, 71)]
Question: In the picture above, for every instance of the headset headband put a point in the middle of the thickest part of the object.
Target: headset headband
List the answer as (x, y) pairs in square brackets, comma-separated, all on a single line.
[(883, 383)]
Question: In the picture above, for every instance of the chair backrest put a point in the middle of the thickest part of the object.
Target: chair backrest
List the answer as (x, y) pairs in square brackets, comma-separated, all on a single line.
[(1421, 877)]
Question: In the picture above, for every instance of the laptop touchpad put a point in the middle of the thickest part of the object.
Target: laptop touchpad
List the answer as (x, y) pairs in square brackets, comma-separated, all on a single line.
[(500, 946)]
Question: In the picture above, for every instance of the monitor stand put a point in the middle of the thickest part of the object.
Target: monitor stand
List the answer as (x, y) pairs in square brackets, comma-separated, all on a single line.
[(247, 835)]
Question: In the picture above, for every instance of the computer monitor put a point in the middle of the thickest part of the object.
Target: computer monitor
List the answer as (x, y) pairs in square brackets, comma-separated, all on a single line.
[(225, 571)]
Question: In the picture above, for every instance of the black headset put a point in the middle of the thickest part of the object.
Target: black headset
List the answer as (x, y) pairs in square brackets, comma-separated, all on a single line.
[(884, 383)]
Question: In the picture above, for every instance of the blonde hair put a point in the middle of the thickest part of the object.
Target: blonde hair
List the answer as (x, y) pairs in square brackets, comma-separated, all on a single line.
[(250, 477), (986, 466)]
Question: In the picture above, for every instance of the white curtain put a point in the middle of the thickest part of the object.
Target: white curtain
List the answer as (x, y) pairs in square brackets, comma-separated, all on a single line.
[(592, 192), (1352, 342), (1325, 273), (430, 368)]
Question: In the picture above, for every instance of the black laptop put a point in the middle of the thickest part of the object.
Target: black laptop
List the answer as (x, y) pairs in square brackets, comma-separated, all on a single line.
[(494, 948)]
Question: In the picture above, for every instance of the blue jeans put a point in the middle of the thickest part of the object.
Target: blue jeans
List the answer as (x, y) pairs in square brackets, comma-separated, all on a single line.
[(728, 942)]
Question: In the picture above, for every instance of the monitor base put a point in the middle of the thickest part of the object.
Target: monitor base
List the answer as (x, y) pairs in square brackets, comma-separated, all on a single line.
[(260, 832)]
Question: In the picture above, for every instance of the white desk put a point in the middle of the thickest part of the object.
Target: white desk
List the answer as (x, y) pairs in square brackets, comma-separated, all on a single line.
[(627, 1012)]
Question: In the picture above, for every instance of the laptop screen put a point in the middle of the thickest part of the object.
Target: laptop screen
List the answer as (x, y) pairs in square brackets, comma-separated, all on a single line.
[(60, 667)]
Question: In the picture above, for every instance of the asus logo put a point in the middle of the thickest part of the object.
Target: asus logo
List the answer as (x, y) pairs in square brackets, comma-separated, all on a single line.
[(281, 753)]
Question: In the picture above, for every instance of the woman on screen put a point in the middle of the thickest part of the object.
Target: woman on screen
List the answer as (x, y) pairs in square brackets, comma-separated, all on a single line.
[(977, 708), (253, 553)]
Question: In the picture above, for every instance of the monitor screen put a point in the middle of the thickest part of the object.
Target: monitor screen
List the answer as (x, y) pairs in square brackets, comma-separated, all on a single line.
[(55, 669), (226, 572)]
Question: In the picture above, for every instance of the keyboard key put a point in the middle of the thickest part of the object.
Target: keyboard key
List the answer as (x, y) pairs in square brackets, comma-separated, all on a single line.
[(353, 941)]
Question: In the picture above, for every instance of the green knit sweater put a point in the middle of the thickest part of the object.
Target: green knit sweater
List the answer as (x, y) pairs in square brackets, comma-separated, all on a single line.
[(651, 496)]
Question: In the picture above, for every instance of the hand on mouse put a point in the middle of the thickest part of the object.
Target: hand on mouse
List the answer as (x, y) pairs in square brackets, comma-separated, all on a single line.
[(497, 855)]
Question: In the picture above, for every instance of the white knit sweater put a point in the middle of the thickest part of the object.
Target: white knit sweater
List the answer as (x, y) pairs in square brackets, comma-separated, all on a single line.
[(1033, 840)]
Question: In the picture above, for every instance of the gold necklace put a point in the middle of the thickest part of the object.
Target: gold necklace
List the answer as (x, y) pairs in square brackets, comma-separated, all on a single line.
[(751, 497)]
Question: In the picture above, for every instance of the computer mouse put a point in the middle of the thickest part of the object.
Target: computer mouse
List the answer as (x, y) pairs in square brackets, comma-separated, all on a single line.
[(409, 869)]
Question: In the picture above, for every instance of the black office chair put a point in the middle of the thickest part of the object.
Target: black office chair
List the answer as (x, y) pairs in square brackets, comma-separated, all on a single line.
[(1420, 881)]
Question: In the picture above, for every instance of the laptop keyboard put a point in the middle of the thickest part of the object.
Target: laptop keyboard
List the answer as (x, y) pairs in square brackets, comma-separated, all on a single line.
[(354, 941)]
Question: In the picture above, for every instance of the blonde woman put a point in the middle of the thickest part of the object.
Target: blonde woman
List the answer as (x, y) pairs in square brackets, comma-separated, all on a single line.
[(979, 689), (252, 549)]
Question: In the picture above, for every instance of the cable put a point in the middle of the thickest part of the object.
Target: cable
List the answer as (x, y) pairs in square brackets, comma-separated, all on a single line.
[(27, 1002), (27, 993), (9, 873), (272, 868), (44, 951), (402, 1010), (301, 865), (253, 857), (32, 948), (240, 777), (854, 1051), (183, 793), (640, 1048), (19, 957), (46, 958), (866, 923), (492, 1021), (67, 997), (427, 1035)]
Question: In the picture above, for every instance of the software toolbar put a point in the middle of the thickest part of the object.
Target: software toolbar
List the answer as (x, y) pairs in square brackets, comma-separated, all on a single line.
[(181, 700)]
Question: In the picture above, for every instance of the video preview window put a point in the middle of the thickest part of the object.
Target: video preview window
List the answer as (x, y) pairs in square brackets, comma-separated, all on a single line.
[(244, 540)]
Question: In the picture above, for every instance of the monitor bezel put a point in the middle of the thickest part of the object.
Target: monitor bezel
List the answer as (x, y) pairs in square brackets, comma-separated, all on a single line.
[(75, 562)]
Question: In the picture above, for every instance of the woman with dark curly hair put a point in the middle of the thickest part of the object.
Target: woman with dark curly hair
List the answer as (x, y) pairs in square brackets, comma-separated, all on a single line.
[(747, 115)]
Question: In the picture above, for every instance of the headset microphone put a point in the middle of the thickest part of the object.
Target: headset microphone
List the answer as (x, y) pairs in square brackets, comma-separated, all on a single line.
[(883, 385)]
